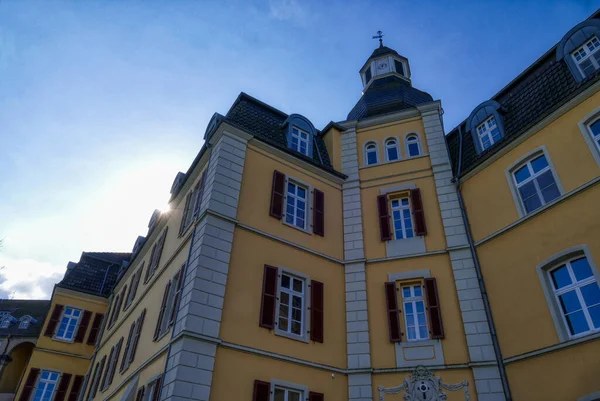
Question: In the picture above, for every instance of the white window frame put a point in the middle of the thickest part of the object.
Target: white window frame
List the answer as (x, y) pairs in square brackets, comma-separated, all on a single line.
[(303, 336), (6, 320), (588, 135), (279, 384), (308, 205), (46, 382), (513, 182), (417, 141), (300, 140), (24, 323), (545, 268), (70, 317), (588, 54), (401, 208), (414, 299), (486, 131), (387, 146), (367, 151)]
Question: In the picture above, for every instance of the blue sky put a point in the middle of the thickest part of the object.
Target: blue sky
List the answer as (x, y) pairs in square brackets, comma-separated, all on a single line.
[(101, 103)]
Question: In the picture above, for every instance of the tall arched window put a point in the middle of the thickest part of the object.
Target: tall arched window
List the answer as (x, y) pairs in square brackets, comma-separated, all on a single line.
[(413, 147), (371, 154), (392, 152)]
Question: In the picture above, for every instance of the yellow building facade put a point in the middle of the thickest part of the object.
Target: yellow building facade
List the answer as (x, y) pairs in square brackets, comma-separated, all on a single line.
[(375, 258)]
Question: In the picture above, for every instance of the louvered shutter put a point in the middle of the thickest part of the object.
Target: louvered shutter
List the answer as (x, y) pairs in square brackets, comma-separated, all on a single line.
[(76, 388), (267, 307), (124, 296), (276, 209), (393, 312), (319, 213), (176, 296), (156, 393), (54, 318), (140, 394), (83, 325), (136, 338), (435, 312), (199, 194), (99, 376), (161, 244), (92, 382), (161, 313), (150, 264), (384, 218), (313, 396), (418, 213), (29, 384), (262, 391), (115, 362), (136, 283), (93, 336), (114, 310), (183, 224), (63, 385), (316, 311), (127, 347), (107, 371)]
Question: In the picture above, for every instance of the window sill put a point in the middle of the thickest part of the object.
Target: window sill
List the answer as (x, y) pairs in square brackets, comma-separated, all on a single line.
[(419, 352), (392, 162), (64, 340), (304, 230), (303, 339), (405, 246)]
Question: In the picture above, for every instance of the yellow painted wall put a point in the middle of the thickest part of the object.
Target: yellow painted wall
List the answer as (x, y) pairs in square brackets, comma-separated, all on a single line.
[(241, 309), (396, 129), (558, 376), (520, 310), (11, 374), (77, 300), (333, 142), (382, 350), (255, 200), (487, 194), (235, 372), (449, 376), (434, 239)]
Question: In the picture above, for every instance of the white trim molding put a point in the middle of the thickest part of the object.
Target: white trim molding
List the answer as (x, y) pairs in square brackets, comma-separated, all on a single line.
[(584, 128)]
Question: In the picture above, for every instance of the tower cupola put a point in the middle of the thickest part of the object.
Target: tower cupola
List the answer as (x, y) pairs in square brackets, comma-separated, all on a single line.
[(384, 62)]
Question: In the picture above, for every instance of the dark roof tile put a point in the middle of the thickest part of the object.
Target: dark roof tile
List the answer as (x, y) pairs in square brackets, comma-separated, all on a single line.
[(37, 309)]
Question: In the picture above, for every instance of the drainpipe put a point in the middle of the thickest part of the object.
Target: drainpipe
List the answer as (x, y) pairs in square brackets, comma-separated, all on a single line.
[(484, 295)]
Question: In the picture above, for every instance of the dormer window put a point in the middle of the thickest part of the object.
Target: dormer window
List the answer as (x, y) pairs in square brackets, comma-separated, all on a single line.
[(300, 141), (488, 132), (587, 56)]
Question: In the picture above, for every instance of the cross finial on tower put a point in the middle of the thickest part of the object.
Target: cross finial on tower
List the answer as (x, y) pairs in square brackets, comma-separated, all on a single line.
[(380, 37)]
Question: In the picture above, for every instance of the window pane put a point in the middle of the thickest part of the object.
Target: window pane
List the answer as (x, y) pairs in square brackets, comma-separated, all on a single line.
[(301, 192), (421, 318), (591, 294), (581, 268), (291, 188), (297, 285), (293, 396), (522, 174), (300, 223), (285, 281), (595, 314), (296, 327), (279, 395), (423, 332), (550, 193), (301, 207), (404, 202), (538, 164), (546, 180), (395, 203), (418, 291), (587, 67), (371, 157), (411, 333), (392, 153), (409, 308), (296, 314), (420, 308), (569, 302), (283, 324), (283, 311), (296, 302), (413, 149), (409, 233), (531, 200), (560, 277), (595, 128), (406, 292), (577, 323)]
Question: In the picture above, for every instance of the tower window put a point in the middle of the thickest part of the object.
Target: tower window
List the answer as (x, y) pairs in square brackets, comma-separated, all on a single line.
[(399, 67), (587, 56), (413, 148), (368, 75), (371, 154), (392, 151)]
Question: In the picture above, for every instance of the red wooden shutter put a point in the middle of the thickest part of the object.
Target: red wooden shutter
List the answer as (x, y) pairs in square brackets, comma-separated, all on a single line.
[(53, 322), (418, 213), (176, 296), (312, 396), (384, 218), (127, 346), (140, 394), (435, 312), (107, 371), (99, 377), (93, 336), (113, 367), (136, 338), (83, 325), (156, 394), (29, 384), (161, 314), (182, 225), (267, 305), (63, 385), (76, 388), (316, 311), (277, 195), (199, 194), (262, 391), (393, 312), (319, 213)]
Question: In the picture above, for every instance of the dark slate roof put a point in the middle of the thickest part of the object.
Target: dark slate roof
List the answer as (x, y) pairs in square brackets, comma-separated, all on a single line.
[(382, 50), (18, 308), (96, 273), (387, 95), (540, 90), (265, 123)]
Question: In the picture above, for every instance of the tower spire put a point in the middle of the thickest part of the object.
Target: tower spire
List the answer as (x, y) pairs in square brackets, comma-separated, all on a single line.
[(380, 37)]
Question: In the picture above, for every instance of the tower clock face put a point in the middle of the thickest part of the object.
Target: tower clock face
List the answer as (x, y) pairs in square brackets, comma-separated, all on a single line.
[(382, 66)]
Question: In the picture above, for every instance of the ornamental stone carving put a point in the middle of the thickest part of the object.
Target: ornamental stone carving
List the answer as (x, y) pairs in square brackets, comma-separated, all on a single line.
[(422, 385)]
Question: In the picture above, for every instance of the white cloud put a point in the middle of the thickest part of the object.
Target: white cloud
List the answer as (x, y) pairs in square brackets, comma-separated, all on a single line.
[(28, 278), (286, 10)]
